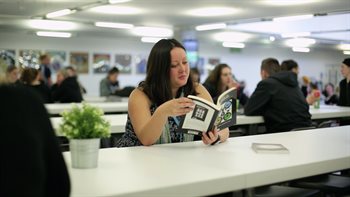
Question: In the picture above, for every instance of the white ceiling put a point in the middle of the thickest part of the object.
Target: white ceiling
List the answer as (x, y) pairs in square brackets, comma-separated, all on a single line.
[(250, 16)]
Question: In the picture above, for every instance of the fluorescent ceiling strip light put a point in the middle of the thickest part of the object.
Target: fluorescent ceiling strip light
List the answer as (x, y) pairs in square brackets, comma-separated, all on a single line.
[(114, 25), (153, 31), (301, 49), (293, 18), (233, 45), (346, 52), (212, 11), (295, 34), (150, 39), (300, 42), (117, 1), (232, 36), (52, 25), (60, 13), (211, 26), (344, 47), (54, 34)]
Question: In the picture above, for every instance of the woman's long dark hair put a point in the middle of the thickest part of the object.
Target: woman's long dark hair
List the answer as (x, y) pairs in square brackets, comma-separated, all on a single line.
[(157, 83), (214, 77)]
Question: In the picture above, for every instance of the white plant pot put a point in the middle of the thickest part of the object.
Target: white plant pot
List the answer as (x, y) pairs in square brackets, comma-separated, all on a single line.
[(84, 152)]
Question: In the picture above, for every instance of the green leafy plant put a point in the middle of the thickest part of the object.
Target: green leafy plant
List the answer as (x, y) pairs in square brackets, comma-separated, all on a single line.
[(84, 122)]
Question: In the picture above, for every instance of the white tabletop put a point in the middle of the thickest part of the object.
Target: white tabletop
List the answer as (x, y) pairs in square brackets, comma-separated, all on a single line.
[(58, 108), (194, 169)]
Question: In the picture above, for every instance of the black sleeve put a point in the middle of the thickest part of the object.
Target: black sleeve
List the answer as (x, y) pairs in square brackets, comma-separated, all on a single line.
[(257, 102)]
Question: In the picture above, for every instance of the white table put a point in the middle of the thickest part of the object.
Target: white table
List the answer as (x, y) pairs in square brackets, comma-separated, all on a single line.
[(101, 99), (107, 107), (327, 111), (194, 169)]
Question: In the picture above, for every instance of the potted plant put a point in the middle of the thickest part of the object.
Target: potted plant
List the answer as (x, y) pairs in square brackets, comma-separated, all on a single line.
[(84, 126)]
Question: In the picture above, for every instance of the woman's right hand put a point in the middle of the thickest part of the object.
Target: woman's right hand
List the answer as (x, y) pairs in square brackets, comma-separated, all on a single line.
[(177, 107)]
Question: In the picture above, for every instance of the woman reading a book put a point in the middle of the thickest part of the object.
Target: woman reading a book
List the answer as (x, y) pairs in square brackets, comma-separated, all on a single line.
[(155, 106), (219, 80)]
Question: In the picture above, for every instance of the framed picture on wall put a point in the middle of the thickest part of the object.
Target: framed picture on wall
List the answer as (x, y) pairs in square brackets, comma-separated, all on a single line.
[(101, 62), (141, 64), (123, 63), (80, 60), (58, 59), (29, 57), (7, 57)]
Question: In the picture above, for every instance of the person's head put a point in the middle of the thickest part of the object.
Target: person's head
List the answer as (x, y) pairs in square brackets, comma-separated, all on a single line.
[(167, 72), (61, 75), (329, 88), (290, 65), (195, 75), (345, 68), (12, 74), (29, 75), (71, 72), (314, 86), (220, 76), (306, 80), (112, 75), (44, 59), (269, 66)]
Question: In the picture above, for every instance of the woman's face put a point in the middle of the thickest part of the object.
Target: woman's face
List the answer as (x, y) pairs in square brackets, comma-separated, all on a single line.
[(59, 78), (345, 70), (329, 90), (179, 68), (226, 76)]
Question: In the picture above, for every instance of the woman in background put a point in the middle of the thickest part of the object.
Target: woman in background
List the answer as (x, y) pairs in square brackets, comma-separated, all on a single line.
[(330, 97), (155, 105)]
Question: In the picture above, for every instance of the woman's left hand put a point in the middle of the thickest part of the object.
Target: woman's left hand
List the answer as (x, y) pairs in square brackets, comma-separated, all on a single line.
[(210, 136)]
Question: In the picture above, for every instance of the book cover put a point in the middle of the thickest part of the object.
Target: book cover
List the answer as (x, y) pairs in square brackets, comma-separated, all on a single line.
[(206, 115), (269, 148)]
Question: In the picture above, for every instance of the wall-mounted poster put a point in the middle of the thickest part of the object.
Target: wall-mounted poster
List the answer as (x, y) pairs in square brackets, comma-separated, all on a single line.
[(101, 62), (7, 57), (123, 63), (58, 59), (29, 57), (80, 60), (141, 64)]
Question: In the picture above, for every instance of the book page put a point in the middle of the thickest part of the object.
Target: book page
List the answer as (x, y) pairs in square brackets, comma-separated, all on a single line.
[(228, 112)]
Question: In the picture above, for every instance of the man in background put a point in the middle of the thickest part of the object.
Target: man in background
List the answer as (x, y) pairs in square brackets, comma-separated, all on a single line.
[(110, 84), (278, 99), (45, 69)]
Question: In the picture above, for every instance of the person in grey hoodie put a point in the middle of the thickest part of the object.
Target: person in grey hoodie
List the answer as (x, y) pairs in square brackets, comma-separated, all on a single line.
[(278, 99)]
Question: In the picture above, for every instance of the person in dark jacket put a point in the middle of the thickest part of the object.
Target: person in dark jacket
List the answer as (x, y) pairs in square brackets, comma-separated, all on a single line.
[(68, 90), (278, 99), (32, 162), (344, 85)]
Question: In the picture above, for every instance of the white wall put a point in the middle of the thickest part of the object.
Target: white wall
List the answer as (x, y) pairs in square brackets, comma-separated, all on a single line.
[(245, 64)]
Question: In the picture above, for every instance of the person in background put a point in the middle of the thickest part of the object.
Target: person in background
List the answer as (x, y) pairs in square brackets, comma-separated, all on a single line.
[(30, 77), (241, 95), (290, 65), (305, 87), (278, 99), (12, 74), (155, 105), (34, 165), (66, 89), (72, 72), (219, 80), (344, 85), (45, 69), (195, 75), (110, 84), (330, 97)]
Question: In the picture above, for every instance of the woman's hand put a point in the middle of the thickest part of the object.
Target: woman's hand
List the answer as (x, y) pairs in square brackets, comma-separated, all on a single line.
[(177, 107), (210, 136)]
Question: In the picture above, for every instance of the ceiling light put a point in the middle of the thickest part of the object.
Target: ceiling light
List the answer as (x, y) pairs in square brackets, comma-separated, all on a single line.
[(54, 34), (211, 26), (52, 25), (293, 18), (118, 10), (301, 49), (114, 25), (233, 45), (153, 31), (300, 42), (295, 34), (232, 37), (344, 47), (346, 52), (150, 39), (117, 1), (213, 11), (60, 13), (272, 38), (288, 2)]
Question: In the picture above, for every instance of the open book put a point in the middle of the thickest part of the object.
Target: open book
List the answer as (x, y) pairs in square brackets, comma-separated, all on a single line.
[(206, 115), (269, 148)]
